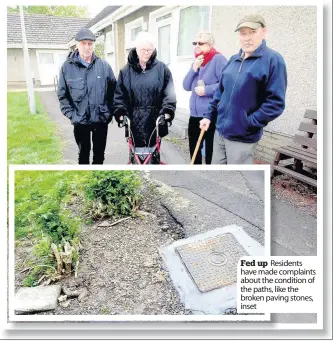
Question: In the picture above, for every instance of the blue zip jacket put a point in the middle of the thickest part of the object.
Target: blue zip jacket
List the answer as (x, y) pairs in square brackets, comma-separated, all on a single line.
[(210, 74), (251, 93)]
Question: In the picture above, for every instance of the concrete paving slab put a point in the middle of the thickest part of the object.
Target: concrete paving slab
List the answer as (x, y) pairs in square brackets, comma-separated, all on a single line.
[(36, 299), (214, 302)]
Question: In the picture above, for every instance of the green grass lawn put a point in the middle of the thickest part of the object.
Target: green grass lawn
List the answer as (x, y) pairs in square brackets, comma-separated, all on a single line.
[(31, 139), (30, 187)]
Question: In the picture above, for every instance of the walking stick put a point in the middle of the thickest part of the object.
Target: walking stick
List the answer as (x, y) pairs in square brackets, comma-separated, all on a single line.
[(197, 146)]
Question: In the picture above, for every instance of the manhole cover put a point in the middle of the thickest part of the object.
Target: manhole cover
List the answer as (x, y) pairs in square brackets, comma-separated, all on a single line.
[(212, 263)]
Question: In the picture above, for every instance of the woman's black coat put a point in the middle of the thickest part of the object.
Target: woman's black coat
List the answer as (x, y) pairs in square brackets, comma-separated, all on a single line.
[(143, 95)]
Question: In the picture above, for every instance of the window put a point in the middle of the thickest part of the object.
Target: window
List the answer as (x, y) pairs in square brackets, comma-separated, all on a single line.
[(164, 17), (131, 31), (163, 50), (109, 48), (191, 20), (46, 58), (134, 32), (162, 26)]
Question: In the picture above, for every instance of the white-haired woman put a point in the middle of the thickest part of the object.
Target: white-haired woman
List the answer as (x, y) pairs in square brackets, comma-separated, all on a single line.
[(202, 80), (144, 91)]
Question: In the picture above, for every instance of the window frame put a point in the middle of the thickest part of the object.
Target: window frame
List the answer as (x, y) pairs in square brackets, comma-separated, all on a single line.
[(109, 47), (129, 43), (46, 53), (187, 57), (172, 21)]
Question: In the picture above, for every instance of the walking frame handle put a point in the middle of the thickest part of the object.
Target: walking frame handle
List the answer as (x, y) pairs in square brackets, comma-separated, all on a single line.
[(197, 146)]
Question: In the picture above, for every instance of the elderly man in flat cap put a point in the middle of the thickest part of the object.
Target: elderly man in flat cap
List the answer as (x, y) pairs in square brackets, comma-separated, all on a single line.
[(251, 93), (85, 92)]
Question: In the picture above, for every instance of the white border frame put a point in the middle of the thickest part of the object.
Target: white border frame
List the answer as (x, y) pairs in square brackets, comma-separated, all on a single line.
[(122, 318)]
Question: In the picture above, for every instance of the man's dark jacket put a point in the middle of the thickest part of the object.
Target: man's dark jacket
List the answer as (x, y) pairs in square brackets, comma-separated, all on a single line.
[(143, 95), (251, 93), (86, 93)]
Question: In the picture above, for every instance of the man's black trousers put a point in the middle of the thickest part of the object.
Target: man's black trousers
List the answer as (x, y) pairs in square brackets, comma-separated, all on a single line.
[(83, 135)]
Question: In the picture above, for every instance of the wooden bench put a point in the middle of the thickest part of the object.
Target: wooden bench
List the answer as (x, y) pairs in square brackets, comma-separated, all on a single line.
[(302, 151)]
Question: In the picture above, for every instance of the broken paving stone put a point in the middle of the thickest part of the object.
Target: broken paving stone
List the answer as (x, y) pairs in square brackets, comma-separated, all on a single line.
[(37, 299)]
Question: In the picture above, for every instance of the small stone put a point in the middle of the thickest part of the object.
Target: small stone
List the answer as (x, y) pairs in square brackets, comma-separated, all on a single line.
[(70, 292), (104, 223), (165, 227), (148, 264), (62, 298), (146, 213), (65, 304), (159, 276), (142, 284), (82, 295)]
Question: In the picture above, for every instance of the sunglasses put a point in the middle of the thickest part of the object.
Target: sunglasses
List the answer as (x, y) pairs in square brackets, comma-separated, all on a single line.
[(198, 43)]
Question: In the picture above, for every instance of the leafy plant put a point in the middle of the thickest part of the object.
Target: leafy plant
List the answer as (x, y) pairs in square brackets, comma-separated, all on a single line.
[(99, 49), (30, 280), (112, 193)]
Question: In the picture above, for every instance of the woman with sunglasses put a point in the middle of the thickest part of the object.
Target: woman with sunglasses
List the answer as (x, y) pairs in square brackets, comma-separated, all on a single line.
[(202, 80)]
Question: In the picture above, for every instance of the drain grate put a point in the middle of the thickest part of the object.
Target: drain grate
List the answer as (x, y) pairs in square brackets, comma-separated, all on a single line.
[(212, 263)]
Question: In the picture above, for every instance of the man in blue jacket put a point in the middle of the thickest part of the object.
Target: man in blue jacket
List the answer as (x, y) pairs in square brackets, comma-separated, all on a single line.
[(251, 93), (85, 92)]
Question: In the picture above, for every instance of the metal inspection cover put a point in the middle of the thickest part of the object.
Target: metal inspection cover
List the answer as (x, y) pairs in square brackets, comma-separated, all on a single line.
[(212, 263)]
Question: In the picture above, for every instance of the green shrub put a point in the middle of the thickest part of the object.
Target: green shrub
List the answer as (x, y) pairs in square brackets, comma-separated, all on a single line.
[(112, 193), (56, 221), (30, 280)]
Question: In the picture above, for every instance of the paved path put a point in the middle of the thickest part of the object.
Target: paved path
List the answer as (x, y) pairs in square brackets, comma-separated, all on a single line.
[(116, 151), (219, 198)]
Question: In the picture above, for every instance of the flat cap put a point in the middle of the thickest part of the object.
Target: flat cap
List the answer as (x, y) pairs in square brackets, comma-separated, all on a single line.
[(253, 21), (85, 34)]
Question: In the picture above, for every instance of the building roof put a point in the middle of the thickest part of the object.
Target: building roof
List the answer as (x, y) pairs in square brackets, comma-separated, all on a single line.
[(43, 29), (102, 14)]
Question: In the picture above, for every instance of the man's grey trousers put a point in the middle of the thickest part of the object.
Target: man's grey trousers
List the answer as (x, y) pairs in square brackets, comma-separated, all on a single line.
[(232, 152)]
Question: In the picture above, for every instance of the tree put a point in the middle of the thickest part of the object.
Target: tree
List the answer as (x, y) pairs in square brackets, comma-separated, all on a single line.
[(60, 11), (99, 49)]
